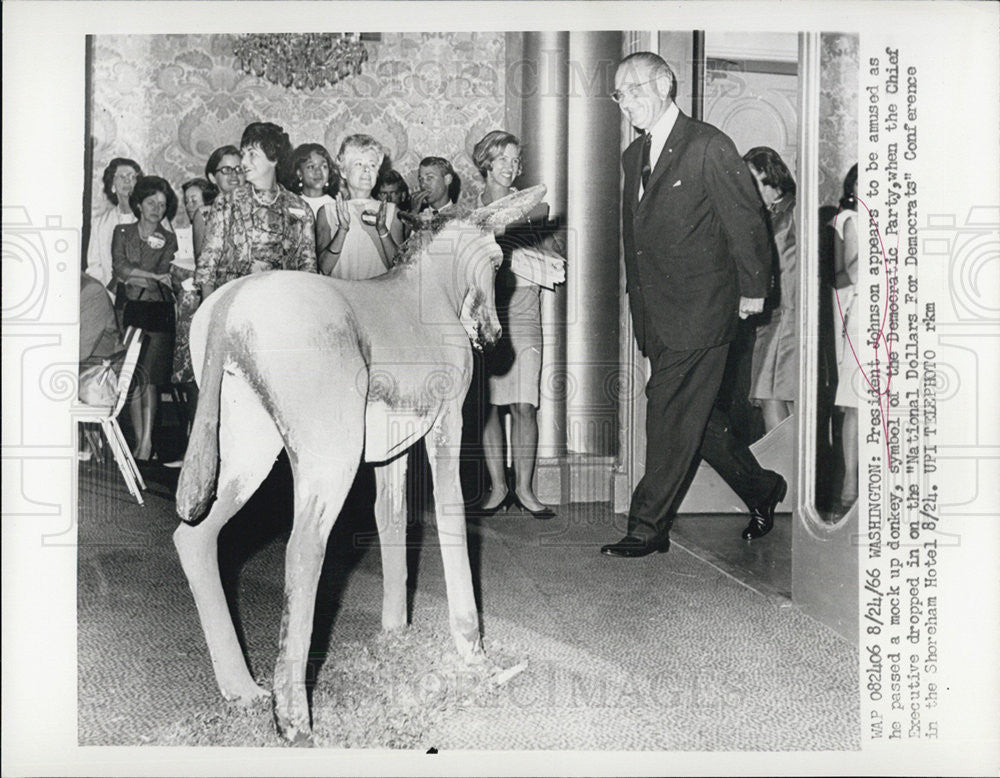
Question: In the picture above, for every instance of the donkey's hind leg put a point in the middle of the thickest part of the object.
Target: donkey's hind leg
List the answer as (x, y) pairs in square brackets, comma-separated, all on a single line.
[(324, 440), (443, 444), (390, 517), (320, 489), (248, 445)]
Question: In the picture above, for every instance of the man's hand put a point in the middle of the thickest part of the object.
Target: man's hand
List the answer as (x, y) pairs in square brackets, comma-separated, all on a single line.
[(417, 201), (750, 305)]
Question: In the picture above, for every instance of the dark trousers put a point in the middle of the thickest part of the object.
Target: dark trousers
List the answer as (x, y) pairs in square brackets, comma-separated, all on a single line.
[(680, 425)]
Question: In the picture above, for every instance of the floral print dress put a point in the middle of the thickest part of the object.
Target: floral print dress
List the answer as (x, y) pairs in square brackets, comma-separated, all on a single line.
[(247, 232), (187, 299)]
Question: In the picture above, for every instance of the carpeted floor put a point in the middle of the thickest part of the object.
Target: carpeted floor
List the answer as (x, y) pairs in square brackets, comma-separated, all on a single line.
[(664, 653)]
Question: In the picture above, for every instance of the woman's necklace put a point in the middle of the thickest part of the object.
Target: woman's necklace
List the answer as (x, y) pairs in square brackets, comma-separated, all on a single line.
[(260, 200), (144, 234)]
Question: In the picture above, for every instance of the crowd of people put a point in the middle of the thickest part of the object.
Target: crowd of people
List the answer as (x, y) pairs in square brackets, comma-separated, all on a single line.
[(263, 205)]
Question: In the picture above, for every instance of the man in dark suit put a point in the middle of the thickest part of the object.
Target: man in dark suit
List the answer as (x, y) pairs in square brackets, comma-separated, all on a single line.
[(697, 259)]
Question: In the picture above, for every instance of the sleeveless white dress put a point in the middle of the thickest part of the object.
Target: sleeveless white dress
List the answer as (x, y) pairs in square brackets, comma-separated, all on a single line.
[(362, 255), (317, 203)]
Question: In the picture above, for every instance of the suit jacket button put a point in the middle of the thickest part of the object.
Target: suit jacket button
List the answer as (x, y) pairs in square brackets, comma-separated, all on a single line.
[(638, 252)]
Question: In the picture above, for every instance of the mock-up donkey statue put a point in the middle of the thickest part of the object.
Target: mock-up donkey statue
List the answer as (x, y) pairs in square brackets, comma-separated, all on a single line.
[(335, 371)]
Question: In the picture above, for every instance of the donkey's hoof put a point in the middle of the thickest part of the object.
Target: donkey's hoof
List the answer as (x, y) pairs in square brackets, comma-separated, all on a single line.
[(301, 740), (470, 646), (247, 697), (297, 734), (477, 659)]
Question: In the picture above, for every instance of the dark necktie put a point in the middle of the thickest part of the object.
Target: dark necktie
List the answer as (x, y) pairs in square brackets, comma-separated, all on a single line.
[(646, 169)]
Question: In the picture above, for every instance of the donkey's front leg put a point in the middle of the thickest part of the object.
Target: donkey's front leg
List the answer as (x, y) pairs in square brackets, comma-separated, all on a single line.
[(443, 445), (390, 517)]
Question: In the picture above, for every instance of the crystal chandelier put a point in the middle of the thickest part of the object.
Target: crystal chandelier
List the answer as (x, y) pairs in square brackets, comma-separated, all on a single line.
[(301, 60)]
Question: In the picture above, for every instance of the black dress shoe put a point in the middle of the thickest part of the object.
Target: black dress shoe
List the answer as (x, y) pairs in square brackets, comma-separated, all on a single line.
[(544, 513), (631, 546), (483, 513), (762, 516)]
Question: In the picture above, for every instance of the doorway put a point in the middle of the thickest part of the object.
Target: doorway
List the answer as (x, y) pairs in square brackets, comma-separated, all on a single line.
[(765, 89)]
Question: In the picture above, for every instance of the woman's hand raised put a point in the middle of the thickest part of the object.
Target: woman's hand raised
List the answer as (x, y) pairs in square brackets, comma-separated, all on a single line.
[(380, 225), (343, 213)]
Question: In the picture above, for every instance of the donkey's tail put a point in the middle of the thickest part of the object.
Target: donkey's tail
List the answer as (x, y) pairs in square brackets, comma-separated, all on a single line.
[(197, 481)]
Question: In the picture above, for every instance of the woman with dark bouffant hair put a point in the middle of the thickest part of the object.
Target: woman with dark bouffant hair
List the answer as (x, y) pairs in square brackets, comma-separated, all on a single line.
[(198, 192), (313, 175), (775, 372), (141, 254), (119, 178), (259, 225)]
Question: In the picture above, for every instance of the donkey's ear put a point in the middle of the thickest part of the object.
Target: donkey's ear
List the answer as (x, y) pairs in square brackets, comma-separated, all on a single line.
[(511, 208), (410, 220)]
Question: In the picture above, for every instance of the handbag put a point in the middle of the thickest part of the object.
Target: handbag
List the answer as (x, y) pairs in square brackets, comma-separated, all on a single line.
[(99, 384), (151, 315)]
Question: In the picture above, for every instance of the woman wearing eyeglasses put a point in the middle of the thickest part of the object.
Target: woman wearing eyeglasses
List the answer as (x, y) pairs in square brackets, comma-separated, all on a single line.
[(224, 170), (258, 225), (119, 179), (515, 365)]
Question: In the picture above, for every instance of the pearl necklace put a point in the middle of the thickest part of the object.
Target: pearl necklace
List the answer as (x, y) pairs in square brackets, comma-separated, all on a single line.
[(259, 200)]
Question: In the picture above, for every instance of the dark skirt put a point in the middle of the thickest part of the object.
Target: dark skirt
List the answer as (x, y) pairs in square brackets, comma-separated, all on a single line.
[(156, 359), (515, 365)]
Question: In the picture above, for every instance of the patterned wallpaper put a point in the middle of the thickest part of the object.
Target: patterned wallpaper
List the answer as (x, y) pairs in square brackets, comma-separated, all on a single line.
[(838, 111), (168, 100)]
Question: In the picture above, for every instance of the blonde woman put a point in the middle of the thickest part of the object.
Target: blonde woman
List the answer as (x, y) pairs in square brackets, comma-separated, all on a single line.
[(357, 236), (515, 365)]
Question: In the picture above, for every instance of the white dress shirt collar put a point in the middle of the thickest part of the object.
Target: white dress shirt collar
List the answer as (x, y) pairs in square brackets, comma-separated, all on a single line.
[(659, 133)]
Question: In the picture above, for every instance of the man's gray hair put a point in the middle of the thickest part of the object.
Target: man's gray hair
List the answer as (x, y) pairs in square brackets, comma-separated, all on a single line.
[(657, 67)]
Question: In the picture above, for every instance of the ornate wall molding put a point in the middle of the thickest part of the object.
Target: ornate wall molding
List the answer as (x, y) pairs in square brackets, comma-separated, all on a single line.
[(838, 105)]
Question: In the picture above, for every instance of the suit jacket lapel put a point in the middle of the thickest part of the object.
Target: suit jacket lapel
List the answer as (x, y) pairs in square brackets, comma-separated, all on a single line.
[(667, 154), (632, 166)]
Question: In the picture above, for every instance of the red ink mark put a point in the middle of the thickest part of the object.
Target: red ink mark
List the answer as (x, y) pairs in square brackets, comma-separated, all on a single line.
[(874, 380)]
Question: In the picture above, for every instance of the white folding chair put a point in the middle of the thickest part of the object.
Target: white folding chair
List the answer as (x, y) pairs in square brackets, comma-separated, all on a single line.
[(107, 416)]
